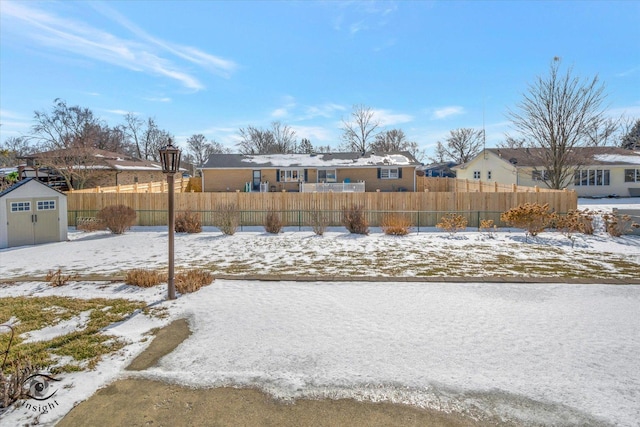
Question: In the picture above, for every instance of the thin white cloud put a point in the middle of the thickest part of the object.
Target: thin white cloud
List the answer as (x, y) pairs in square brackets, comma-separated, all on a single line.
[(119, 112), (628, 72), (318, 135), (159, 99), (143, 53), (323, 110), (387, 118), (279, 113), (445, 112), (628, 111)]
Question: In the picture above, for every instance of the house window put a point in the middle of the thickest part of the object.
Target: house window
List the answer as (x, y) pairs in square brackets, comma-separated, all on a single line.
[(46, 205), (632, 175), (290, 175), (327, 175), (489, 175), (542, 175), (20, 206), (389, 173), (476, 174), (592, 177)]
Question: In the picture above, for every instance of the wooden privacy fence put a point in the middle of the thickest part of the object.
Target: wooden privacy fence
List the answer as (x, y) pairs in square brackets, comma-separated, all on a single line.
[(424, 208), (181, 185), (468, 186)]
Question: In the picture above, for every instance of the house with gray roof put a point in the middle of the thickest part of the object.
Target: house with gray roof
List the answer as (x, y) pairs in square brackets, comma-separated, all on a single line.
[(598, 172), (320, 172)]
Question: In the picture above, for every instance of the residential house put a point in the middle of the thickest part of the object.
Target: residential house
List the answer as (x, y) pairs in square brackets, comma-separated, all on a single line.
[(355, 171), (88, 167), (603, 171)]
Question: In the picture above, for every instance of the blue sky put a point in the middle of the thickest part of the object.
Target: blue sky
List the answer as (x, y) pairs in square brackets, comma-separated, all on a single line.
[(212, 67)]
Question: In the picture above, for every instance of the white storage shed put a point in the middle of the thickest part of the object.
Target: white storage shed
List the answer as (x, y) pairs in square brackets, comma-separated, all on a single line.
[(32, 213)]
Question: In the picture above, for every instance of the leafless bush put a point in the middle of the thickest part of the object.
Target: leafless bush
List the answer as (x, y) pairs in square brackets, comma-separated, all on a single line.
[(318, 222), (227, 218), (12, 382), (488, 228), (396, 225), (56, 278), (144, 278), (532, 217), (616, 225), (192, 280), (354, 220), (117, 218), (90, 224), (272, 222), (452, 223), (188, 222)]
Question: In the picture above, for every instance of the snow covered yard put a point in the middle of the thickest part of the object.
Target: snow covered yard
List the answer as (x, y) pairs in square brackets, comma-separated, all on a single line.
[(561, 354)]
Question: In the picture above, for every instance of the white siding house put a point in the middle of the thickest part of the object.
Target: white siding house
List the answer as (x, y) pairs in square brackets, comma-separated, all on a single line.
[(604, 171)]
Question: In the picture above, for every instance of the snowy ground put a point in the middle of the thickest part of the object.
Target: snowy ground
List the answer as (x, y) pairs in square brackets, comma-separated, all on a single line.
[(550, 354)]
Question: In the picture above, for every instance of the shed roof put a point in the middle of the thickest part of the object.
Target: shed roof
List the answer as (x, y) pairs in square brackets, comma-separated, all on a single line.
[(24, 182), (319, 160)]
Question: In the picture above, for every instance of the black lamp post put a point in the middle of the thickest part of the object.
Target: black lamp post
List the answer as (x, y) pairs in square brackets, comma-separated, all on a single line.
[(170, 159)]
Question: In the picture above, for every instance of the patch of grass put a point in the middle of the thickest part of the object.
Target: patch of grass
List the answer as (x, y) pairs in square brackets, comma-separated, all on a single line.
[(85, 346)]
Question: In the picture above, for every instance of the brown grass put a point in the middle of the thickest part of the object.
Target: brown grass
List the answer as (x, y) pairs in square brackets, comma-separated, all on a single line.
[(396, 225), (192, 280), (144, 278)]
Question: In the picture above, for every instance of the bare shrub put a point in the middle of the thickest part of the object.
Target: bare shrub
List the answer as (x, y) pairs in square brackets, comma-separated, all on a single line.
[(117, 218), (192, 280), (144, 278), (90, 224), (318, 222), (56, 278), (188, 222), (452, 223), (396, 225), (12, 382), (354, 220), (227, 218), (616, 225), (272, 222), (488, 228), (532, 217)]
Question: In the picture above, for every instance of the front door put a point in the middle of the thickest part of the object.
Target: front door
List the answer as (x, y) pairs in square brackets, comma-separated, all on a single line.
[(257, 178)]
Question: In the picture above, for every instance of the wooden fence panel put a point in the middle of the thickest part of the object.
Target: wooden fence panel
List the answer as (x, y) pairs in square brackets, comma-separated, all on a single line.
[(152, 207)]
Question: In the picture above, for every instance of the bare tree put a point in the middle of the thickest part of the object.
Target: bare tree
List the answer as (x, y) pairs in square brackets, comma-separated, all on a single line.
[(390, 140), (201, 150), (631, 138), (511, 142), (13, 148), (305, 146), (463, 144), (280, 139), (603, 132), (556, 115), (66, 126), (134, 130), (359, 132), (440, 154)]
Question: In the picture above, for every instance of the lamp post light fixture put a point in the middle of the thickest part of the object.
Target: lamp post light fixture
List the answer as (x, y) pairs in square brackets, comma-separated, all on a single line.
[(170, 159)]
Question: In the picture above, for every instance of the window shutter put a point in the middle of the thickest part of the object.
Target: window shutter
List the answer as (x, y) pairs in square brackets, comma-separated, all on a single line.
[(306, 175), (379, 172), (277, 175), (399, 173)]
